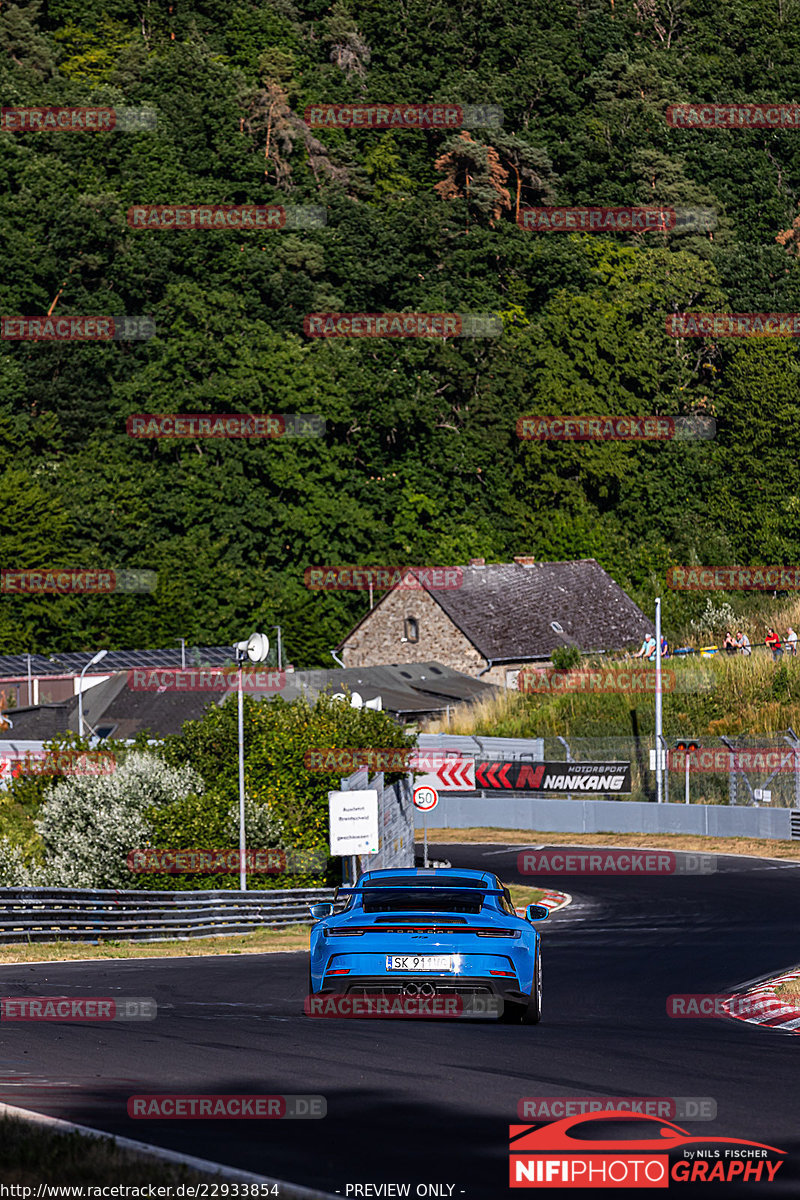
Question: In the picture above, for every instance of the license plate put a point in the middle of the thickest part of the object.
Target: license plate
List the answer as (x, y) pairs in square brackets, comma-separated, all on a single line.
[(419, 962)]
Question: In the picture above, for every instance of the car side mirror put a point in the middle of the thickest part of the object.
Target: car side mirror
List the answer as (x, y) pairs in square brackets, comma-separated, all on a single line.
[(318, 911), (537, 912)]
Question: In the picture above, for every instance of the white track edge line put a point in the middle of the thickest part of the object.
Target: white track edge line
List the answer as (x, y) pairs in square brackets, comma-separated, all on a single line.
[(291, 1191)]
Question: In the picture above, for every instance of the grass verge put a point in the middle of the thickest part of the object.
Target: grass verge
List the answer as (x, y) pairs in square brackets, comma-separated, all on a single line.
[(523, 896), (749, 847), (30, 1155), (789, 991), (262, 941)]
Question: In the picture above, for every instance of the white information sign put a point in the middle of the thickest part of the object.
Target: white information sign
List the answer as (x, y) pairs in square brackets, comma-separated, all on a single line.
[(354, 822)]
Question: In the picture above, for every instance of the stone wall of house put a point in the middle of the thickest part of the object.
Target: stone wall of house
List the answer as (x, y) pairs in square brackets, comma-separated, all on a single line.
[(380, 638)]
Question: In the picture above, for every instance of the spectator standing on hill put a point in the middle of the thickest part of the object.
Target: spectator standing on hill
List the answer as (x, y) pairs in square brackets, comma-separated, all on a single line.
[(729, 645), (743, 642), (664, 648), (773, 643), (791, 642)]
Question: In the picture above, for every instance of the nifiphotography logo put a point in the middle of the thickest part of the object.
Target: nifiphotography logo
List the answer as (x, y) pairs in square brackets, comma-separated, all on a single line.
[(626, 1149)]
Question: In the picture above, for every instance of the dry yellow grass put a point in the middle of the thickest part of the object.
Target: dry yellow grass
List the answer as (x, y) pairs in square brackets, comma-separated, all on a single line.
[(263, 941), (523, 896), (789, 991), (750, 847), (711, 696)]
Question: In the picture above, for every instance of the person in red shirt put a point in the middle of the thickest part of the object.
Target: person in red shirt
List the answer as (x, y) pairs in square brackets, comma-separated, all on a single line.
[(773, 643)]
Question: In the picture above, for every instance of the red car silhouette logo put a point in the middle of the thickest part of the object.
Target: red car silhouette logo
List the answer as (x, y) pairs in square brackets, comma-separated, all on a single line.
[(544, 1139), (573, 1153)]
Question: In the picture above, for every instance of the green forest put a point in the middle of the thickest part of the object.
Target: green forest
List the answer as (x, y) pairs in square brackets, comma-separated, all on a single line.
[(421, 462)]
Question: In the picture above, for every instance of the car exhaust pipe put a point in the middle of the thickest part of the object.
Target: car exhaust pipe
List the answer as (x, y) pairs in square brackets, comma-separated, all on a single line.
[(410, 989), (427, 989)]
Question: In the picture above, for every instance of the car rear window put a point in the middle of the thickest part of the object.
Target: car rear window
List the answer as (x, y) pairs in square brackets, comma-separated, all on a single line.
[(412, 894)]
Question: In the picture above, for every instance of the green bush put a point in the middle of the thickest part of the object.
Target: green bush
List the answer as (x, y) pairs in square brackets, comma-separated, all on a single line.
[(564, 658)]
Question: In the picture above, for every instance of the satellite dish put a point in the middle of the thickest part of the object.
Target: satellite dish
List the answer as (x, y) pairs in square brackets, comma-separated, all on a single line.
[(356, 701), (376, 704), (258, 647)]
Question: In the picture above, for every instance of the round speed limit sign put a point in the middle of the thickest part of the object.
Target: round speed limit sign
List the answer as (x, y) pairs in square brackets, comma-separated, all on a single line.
[(425, 798)]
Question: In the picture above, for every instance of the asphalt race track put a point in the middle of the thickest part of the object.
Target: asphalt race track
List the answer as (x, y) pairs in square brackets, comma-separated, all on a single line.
[(429, 1102)]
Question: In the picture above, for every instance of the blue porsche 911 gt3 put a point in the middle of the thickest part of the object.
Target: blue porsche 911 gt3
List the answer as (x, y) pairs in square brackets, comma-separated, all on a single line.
[(442, 932)]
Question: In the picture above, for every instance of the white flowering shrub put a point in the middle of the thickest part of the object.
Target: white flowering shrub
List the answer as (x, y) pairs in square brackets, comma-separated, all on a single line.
[(13, 870), (88, 824), (715, 618), (263, 829)]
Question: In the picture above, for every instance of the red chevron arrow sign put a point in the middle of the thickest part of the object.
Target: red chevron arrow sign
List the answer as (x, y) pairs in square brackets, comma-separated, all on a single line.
[(446, 774)]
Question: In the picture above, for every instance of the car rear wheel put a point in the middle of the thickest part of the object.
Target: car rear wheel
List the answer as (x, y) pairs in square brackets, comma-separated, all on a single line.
[(530, 1013)]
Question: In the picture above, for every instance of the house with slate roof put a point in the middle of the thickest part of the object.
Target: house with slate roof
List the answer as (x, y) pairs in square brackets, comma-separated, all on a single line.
[(493, 619)]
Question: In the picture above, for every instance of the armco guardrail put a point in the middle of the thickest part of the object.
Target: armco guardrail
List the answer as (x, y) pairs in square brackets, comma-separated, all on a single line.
[(38, 914)]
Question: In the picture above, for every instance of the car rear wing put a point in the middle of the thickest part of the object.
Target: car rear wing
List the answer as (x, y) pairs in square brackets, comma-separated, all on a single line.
[(417, 887)]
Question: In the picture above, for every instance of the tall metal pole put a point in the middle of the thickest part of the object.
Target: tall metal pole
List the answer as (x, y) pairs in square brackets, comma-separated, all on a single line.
[(687, 777), (30, 690), (659, 738), (242, 872)]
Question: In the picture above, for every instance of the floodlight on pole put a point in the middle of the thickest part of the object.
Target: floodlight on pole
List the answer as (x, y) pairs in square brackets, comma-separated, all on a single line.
[(256, 648), (91, 663)]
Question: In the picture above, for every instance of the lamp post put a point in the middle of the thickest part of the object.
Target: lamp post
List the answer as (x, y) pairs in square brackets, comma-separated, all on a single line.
[(280, 659), (659, 729), (256, 649), (91, 663)]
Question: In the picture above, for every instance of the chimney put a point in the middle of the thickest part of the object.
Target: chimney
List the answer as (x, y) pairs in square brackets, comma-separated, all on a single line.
[(525, 560), (477, 562)]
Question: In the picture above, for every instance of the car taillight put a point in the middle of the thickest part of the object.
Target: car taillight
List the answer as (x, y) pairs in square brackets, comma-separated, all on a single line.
[(507, 933), (339, 971), (344, 933), (511, 973)]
